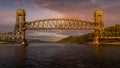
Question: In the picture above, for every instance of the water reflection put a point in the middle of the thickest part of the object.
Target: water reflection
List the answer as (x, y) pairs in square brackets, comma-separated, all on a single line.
[(20, 57), (107, 56), (49, 55), (98, 54), (97, 50)]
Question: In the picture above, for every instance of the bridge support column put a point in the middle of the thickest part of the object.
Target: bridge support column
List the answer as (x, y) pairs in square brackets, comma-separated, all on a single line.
[(96, 38), (23, 40), (98, 25), (21, 23)]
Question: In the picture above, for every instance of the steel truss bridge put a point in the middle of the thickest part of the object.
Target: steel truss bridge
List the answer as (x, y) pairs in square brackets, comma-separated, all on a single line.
[(58, 24)]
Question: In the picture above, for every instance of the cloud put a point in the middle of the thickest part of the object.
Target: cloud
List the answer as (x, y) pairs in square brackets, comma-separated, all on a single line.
[(54, 35), (82, 9), (7, 19), (46, 36), (41, 14), (67, 8), (6, 28), (7, 13), (93, 1), (21, 2)]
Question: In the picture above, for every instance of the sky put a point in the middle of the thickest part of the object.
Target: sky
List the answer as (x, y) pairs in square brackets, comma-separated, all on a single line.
[(42, 9)]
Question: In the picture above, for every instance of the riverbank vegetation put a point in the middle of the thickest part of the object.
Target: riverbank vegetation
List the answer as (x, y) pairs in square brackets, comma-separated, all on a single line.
[(88, 38)]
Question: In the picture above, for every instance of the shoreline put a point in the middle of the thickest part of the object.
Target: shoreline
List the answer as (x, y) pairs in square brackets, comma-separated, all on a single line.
[(111, 43), (108, 43)]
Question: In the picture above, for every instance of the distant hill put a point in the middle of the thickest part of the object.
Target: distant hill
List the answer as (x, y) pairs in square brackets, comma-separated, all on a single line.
[(88, 38), (37, 41), (18, 41)]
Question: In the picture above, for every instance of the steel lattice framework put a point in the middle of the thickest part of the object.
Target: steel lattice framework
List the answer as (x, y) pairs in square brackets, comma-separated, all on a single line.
[(110, 35), (9, 36), (60, 24)]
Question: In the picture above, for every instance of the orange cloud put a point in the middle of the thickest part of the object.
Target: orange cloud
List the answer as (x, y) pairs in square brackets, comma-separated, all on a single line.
[(82, 9)]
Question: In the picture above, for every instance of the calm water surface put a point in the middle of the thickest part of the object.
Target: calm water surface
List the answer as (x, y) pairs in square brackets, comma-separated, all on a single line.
[(52, 55)]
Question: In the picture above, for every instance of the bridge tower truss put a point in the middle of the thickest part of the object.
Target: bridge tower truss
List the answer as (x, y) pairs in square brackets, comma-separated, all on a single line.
[(98, 25), (20, 25)]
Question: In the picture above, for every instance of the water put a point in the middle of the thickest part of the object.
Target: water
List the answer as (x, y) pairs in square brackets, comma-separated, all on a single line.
[(53, 55)]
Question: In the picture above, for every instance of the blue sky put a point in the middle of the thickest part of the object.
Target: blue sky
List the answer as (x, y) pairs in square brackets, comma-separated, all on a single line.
[(40, 9)]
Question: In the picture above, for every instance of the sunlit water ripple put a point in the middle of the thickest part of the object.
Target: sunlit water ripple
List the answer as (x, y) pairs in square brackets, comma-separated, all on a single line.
[(54, 55)]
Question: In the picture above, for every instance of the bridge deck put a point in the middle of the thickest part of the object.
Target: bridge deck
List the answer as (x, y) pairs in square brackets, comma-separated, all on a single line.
[(9, 36)]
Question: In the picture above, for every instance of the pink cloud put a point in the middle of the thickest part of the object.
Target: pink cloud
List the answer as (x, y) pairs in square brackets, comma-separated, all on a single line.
[(7, 19), (7, 16), (83, 9), (93, 1)]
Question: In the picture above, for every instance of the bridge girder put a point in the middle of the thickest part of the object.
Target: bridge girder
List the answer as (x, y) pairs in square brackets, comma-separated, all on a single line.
[(60, 24), (9, 36)]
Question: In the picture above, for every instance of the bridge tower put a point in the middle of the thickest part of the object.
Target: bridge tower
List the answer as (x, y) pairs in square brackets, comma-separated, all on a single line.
[(98, 25), (20, 25)]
